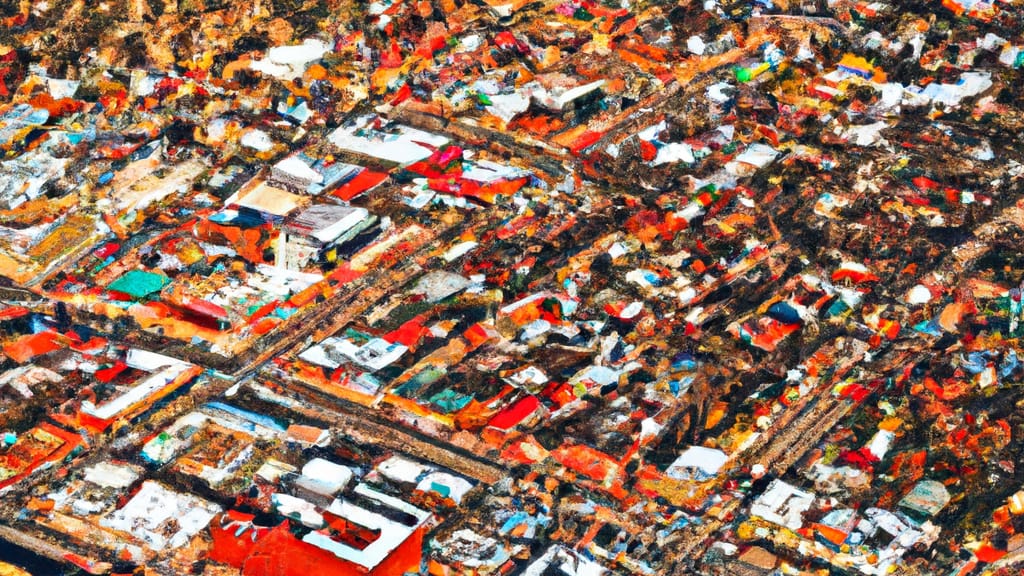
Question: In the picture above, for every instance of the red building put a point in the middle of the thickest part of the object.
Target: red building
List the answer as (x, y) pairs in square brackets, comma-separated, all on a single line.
[(351, 539)]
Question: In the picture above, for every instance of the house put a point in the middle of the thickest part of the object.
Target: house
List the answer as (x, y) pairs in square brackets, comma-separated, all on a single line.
[(373, 355), (783, 504), (466, 553), (697, 462), (166, 375), (272, 203), (313, 176), (558, 98), (396, 143), (310, 234), (306, 436)]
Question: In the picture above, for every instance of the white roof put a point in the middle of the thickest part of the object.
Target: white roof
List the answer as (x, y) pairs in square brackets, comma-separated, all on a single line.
[(486, 172), (398, 143), (392, 534), (439, 284), (311, 49), (111, 475), (151, 361), (148, 387), (757, 154), (290, 61), (457, 486), (558, 98), (674, 152), (326, 222), (154, 509), (376, 354), (297, 509), (296, 168), (707, 460), (257, 140), (61, 88), (460, 249), (970, 84), (266, 199), (324, 477), (327, 353), (400, 469), (528, 376), (783, 504)]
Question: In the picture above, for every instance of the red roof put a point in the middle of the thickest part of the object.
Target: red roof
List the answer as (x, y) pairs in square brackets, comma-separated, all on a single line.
[(585, 460), (29, 346), (364, 181), (203, 308), (408, 334), (108, 374), (515, 413), (12, 312), (988, 553)]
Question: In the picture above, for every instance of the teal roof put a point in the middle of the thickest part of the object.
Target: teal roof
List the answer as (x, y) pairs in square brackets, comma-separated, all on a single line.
[(139, 283)]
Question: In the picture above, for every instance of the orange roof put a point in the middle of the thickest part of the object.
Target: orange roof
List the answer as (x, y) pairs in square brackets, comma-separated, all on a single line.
[(585, 460), (305, 434), (29, 346)]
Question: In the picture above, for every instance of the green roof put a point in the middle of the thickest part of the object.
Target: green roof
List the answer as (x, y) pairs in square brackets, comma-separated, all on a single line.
[(139, 283)]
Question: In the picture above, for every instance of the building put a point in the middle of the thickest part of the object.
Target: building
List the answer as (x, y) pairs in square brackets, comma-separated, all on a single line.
[(313, 233), (363, 533)]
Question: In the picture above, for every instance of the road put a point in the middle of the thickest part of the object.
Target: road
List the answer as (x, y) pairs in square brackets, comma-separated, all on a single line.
[(368, 427)]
